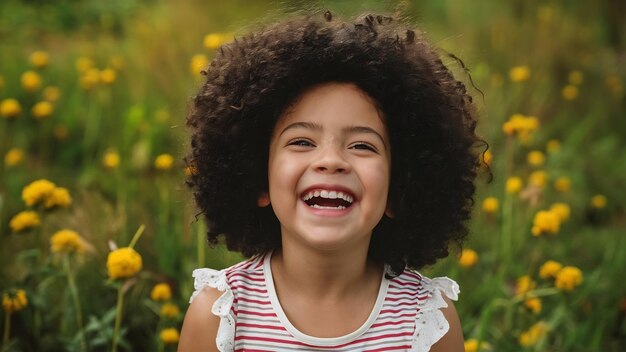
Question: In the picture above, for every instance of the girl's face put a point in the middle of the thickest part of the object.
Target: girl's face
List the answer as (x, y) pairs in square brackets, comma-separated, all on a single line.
[(329, 166)]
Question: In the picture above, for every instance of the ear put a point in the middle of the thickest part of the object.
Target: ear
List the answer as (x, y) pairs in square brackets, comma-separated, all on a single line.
[(263, 200), (389, 212)]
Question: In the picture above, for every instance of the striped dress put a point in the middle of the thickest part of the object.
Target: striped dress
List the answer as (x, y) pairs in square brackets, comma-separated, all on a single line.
[(405, 317)]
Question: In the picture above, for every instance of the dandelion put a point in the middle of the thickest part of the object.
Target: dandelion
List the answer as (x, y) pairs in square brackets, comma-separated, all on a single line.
[(519, 73), (575, 77), (533, 304), (66, 241), (468, 258), (491, 205), (107, 76), (31, 81), (13, 157), (51, 94), (549, 269), (514, 185), (536, 158), (10, 108), (83, 64), (213, 40), (39, 59), (521, 125), (562, 184), (546, 222), (60, 197), (37, 192), (598, 201), (562, 210), (170, 311), (123, 263), (90, 78), (24, 220), (524, 285), (42, 110), (568, 278), (471, 345), (14, 301), (553, 146), (569, 92), (111, 160), (169, 336), (161, 292), (538, 178), (198, 63), (535, 333), (164, 162), (487, 157)]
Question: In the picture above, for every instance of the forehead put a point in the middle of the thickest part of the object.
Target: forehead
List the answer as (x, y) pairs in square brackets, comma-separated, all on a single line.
[(334, 103)]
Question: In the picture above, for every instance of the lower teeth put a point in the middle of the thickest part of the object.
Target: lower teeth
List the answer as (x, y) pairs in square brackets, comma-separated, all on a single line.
[(324, 207)]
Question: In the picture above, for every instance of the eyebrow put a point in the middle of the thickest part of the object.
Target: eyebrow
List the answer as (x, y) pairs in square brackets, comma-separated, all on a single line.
[(350, 129)]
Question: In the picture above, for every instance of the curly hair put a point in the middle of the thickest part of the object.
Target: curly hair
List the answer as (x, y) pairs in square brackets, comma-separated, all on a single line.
[(428, 113)]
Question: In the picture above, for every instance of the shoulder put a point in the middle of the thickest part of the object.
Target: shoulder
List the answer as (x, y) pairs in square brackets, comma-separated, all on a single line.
[(437, 325), (200, 326)]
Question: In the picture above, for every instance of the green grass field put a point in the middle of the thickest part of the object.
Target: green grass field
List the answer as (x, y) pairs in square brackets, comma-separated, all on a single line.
[(94, 97)]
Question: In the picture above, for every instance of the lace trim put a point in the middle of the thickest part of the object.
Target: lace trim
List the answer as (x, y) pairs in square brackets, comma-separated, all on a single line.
[(225, 339), (430, 323)]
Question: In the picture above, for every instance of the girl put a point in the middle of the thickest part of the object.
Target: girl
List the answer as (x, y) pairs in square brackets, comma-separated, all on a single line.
[(340, 157)]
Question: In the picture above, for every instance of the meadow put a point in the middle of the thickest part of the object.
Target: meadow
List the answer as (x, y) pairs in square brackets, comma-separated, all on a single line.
[(99, 233)]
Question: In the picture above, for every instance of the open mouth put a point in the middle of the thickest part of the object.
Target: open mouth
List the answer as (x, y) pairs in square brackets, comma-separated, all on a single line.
[(324, 199)]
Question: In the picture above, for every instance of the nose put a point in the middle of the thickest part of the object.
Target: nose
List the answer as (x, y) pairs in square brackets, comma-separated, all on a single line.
[(331, 160)]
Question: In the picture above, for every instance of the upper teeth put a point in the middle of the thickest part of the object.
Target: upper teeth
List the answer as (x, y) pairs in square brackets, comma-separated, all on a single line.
[(328, 195)]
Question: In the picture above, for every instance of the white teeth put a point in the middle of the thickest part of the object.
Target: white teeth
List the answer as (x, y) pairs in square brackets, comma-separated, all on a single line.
[(332, 195), (328, 195), (322, 207), (324, 194)]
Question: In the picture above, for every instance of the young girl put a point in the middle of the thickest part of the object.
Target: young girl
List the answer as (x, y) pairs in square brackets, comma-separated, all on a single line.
[(339, 157)]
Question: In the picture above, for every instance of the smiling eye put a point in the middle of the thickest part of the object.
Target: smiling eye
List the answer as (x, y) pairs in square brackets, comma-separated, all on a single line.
[(363, 146), (301, 143)]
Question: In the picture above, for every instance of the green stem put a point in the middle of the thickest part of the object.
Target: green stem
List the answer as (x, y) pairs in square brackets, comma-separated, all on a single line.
[(137, 236), (7, 329), (118, 317), (74, 292)]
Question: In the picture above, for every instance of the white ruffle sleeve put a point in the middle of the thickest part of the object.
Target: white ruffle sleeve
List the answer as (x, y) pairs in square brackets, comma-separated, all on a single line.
[(217, 279), (430, 324)]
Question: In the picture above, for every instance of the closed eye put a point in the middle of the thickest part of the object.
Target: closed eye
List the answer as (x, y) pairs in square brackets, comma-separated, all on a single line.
[(300, 142), (363, 146)]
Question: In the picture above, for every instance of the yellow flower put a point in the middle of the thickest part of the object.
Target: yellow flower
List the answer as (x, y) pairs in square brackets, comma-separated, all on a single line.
[(569, 92), (553, 146), (575, 77), (468, 258), (471, 345), (111, 160), (42, 110), (39, 59), (546, 221), (37, 192), (562, 210), (514, 185), (170, 310), (24, 220), (562, 184), (198, 63), (107, 76), (488, 157), (490, 205), (60, 197), (531, 336), (51, 94), (190, 170), (519, 73), (83, 64), (598, 201), (66, 241), (538, 178), (524, 285), (10, 108), (536, 158), (31, 81), (161, 292), (549, 269), (90, 78), (13, 157), (533, 304), (520, 125), (169, 336), (164, 162), (568, 278), (123, 263), (14, 302), (213, 40)]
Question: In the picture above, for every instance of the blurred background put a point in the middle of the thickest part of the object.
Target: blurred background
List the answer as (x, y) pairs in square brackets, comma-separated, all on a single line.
[(93, 100)]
